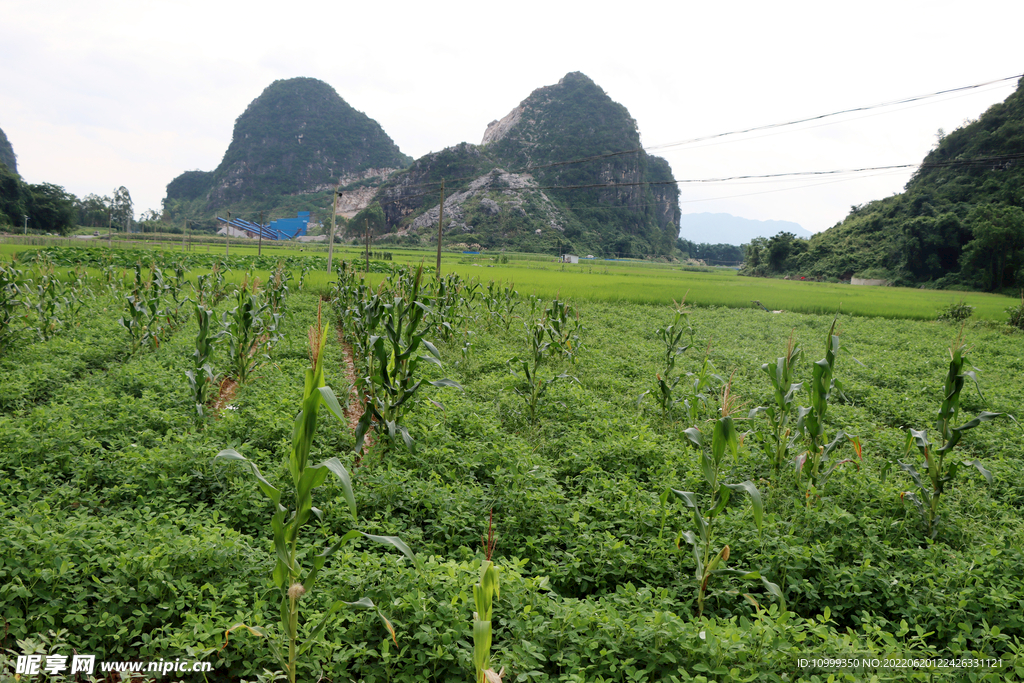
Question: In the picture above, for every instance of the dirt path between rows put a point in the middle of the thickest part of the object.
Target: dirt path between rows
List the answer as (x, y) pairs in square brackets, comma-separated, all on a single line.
[(226, 394)]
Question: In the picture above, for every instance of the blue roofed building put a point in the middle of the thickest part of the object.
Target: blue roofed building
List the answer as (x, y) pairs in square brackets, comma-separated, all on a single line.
[(281, 229)]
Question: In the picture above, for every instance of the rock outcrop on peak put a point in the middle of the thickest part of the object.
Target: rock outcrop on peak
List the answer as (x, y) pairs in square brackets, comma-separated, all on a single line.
[(562, 172)]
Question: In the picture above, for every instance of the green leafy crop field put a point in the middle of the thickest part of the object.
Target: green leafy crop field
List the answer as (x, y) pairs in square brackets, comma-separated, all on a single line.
[(124, 538)]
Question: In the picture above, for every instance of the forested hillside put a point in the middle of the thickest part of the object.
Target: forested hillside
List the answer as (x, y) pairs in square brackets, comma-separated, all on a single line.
[(7, 156), (959, 222), (297, 137)]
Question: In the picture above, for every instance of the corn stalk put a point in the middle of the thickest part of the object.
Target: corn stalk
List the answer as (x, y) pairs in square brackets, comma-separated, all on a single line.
[(940, 466), (290, 577), (815, 462), (393, 359), (485, 592), (242, 326), (201, 376), (781, 411), (13, 286), (709, 561)]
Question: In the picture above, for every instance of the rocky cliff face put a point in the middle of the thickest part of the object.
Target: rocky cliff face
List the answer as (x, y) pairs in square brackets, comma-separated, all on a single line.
[(563, 170), (297, 137)]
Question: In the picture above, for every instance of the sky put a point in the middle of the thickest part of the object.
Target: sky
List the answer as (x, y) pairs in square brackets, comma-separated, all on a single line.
[(99, 94)]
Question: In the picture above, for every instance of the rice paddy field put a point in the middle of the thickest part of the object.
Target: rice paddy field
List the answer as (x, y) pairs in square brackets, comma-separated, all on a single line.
[(662, 493), (639, 282)]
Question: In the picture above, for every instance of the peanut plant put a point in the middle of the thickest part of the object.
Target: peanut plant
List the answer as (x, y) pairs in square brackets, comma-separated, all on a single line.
[(710, 562), (289, 576), (940, 465)]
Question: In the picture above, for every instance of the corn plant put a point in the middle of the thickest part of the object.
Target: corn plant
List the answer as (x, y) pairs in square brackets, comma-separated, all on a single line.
[(201, 377), (782, 411), (242, 326), (290, 577), (671, 337), (217, 286), (501, 302), (13, 286), (485, 592), (277, 288), (529, 371), (306, 267), (177, 291), (815, 462), (564, 329), (393, 360), (699, 386), (49, 304), (77, 288), (709, 561), (940, 465), (447, 306)]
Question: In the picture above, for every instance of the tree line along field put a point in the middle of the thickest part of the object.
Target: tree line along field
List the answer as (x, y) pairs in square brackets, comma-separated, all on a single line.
[(125, 538)]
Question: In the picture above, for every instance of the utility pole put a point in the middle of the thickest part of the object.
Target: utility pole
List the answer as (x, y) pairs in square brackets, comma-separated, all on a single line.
[(259, 252), (110, 227), (440, 222), (367, 246), (227, 237), (334, 222), (26, 223), (184, 232)]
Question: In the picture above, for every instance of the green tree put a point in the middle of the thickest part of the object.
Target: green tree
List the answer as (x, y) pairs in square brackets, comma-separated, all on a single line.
[(995, 253), (14, 197), (122, 210), (51, 208), (372, 216), (93, 211)]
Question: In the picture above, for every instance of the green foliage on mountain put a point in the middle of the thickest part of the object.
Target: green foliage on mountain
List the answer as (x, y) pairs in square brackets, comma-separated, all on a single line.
[(49, 207), (7, 156), (563, 172), (297, 137), (958, 224)]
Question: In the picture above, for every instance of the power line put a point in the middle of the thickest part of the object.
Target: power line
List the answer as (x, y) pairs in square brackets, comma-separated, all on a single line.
[(890, 103), (831, 114)]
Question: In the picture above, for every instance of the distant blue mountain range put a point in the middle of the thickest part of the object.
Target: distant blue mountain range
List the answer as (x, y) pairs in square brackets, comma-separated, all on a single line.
[(724, 228)]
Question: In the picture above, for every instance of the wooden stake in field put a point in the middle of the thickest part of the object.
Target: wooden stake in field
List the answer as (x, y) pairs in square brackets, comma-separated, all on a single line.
[(440, 222), (227, 237), (259, 251), (334, 221)]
